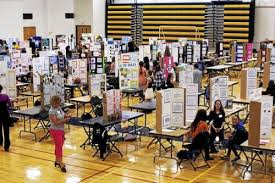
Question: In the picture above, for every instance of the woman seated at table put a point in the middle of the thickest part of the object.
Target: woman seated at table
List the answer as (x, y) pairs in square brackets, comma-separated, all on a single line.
[(216, 120), (199, 125), (237, 137)]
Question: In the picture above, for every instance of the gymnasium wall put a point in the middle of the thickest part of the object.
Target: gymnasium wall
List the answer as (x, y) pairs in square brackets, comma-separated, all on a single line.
[(213, 21)]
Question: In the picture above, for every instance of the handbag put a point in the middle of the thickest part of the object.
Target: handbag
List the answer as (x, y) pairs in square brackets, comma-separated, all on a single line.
[(149, 94)]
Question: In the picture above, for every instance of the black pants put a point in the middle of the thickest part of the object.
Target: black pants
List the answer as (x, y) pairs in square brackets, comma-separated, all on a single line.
[(213, 135), (6, 129), (231, 147)]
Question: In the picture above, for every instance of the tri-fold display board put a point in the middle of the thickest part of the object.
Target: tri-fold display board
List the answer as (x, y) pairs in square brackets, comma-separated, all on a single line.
[(78, 69), (20, 62), (260, 123), (112, 105), (7, 79), (218, 90), (248, 82), (170, 108), (53, 84), (97, 84), (128, 70)]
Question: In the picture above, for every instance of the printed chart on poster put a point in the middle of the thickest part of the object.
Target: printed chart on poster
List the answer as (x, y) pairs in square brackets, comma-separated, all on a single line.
[(78, 69), (97, 84), (170, 108), (53, 84), (128, 70), (218, 90)]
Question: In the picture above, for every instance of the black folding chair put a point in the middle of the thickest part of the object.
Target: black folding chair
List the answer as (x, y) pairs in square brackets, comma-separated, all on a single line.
[(102, 142), (195, 150), (97, 107)]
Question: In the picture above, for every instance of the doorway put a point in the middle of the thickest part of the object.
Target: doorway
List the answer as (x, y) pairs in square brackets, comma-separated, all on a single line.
[(81, 29), (29, 32)]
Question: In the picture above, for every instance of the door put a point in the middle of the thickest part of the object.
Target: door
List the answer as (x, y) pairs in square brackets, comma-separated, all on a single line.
[(82, 29), (29, 32)]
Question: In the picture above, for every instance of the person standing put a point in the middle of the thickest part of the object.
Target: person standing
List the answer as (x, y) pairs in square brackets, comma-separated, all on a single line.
[(159, 78), (217, 122), (5, 119), (142, 78), (58, 118), (197, 77)]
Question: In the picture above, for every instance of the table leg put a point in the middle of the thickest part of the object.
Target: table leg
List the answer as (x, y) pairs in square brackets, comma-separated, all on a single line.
[(77, 107)]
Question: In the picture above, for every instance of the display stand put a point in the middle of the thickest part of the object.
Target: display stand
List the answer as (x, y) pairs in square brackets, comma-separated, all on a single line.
[(248, 82), (78, 69), (128, 70), (260, 123), (218, 90), (8, 79), (112, 109), (170, 108), (97, 84)]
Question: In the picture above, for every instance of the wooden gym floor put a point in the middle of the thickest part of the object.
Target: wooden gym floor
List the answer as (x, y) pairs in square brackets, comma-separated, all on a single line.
[(30, 161)]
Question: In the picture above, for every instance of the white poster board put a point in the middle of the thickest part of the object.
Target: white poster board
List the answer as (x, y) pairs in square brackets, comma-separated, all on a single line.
[(97, 84), (78, 69), (53, 84), (128, 70), (185, 75), (191, 107), (41, 66), (266, 117), (218, 90)]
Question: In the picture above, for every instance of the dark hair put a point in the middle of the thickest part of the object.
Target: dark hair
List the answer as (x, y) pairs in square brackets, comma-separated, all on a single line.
[(157, 68), (1, 88), (196, 65), (140, 67), (201, 116), (167, 52), (221, 108), (271, 84), (146, 60), (141, 63), (237, 116), (169, 76), (150, 73)]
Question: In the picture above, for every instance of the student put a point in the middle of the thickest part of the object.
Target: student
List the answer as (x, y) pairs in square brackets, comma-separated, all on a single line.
[(197, 77), (142, 76), (199, 125), (5, 119), (113, 66), (159, 79), (217, 121), (58, 118), (148, 91), (170, 81), (237, 137)]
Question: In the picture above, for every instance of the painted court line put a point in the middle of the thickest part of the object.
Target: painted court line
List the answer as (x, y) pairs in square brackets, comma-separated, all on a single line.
[(205, 172)]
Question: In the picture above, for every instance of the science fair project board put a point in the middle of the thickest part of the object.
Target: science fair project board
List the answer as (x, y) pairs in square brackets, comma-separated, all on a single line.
[(53, 84), (269, 68), (97, 84), (7, 78), (170, 108), (185, 74), (112, 105), (218, 90), (191, 105), (78, 69), (260, 123), (128, 70), (20, 62), (41, 66), (248, 82)]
